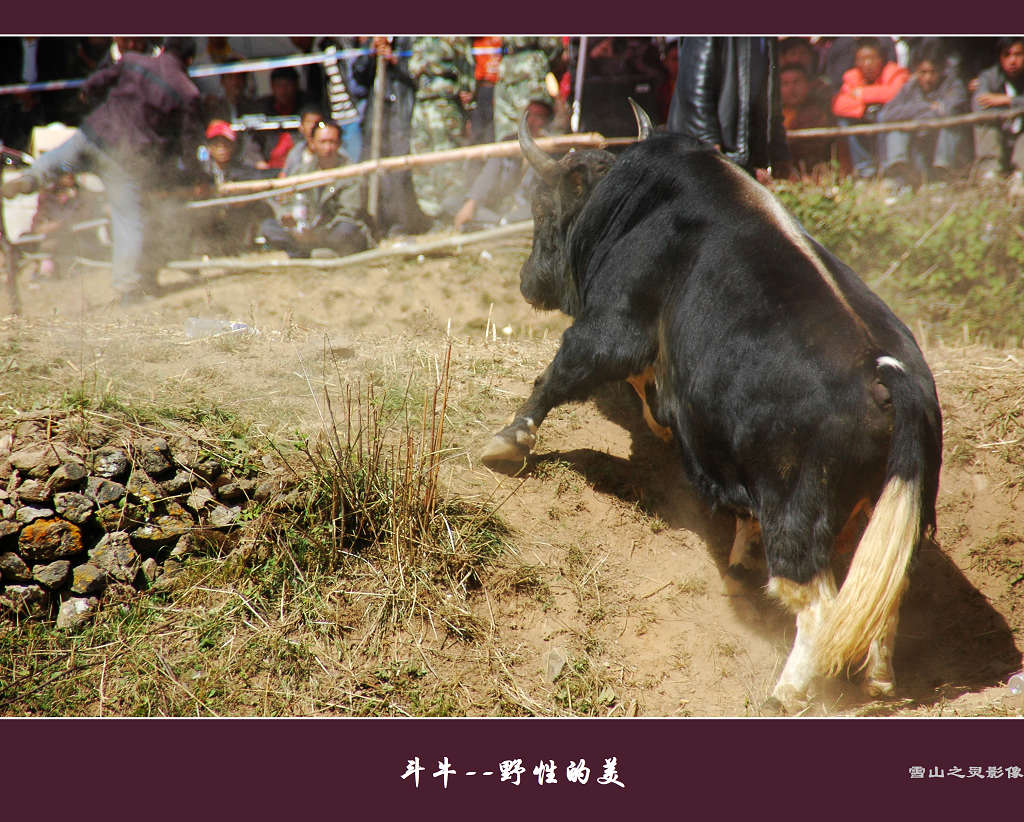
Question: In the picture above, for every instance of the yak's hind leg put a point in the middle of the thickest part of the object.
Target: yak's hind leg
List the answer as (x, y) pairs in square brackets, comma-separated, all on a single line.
[(593, 352), (810, 603), (740, 573), (880, 678), (748, 530)]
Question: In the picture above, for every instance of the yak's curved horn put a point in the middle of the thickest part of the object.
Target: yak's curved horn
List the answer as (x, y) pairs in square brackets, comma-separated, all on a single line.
[(545, 166), (643, 121)]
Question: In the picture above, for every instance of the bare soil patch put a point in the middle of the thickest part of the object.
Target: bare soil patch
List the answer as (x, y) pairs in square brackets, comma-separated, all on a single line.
[(611, 599)]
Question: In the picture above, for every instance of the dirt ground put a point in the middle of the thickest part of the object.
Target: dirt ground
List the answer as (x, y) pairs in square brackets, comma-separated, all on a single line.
[(633, 559)]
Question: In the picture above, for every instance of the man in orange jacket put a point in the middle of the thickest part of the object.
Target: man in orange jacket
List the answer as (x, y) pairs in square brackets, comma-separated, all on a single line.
[(869, 85)]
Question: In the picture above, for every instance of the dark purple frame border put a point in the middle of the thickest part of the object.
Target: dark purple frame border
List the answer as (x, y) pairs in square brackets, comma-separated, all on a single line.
[(686, 768), (516, 17)]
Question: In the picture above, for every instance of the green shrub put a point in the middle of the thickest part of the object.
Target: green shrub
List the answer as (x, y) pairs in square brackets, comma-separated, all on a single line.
[(944, 262)]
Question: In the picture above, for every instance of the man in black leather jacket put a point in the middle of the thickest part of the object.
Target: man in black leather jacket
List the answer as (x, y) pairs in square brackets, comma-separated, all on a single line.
[(727, 96)]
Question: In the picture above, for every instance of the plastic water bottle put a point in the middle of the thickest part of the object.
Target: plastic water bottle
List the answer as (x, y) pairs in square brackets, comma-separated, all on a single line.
[(196, 327), (1016, 687), (300, 212)]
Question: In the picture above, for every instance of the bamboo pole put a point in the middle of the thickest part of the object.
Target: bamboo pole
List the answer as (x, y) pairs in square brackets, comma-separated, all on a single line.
[(233, 263), (906, 125), (373, 194), (972, 118), (510, 148)]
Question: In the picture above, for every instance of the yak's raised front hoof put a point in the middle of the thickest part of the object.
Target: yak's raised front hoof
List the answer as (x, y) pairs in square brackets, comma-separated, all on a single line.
[(511, 445)]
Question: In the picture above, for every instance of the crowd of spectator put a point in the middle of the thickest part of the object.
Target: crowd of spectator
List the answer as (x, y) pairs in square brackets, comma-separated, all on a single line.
[(457, 91), (887, 80)]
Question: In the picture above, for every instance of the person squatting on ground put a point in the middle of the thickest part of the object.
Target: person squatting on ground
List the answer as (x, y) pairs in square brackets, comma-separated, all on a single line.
[(801, 110), (228, 229), (443, 69), (930, 155), (61, 205), (142, 141), (285, 100), (501, 191), (999, 146), (328, 217), (869, 85), (302, 151)]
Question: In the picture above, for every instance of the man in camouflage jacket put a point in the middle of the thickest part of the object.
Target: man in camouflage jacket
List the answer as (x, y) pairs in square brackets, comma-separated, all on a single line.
[(522, 77), (444, 72)]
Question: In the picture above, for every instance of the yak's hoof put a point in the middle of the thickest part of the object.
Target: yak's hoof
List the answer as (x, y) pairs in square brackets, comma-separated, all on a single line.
[(881, 689), (512, 444), (786, 701)]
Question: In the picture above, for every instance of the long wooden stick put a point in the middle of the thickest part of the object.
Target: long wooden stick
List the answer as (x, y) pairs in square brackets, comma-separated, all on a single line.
[(233, 263), (907, 125), (988, 116), (373, 194), (509, 148)]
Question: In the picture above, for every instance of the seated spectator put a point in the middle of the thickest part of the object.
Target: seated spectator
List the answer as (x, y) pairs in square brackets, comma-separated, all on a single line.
[(837, 55), (932, 92), (284, 100), (224, 162), (869, 85), (329, 217), (232, 100), (61, 205), (302, 152), (801, 110), (999, 146), (500, 192), (228, 229), (215, 51), (799, 51)]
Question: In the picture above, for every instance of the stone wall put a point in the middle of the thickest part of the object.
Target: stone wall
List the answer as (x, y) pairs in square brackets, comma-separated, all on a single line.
[(89, 505)]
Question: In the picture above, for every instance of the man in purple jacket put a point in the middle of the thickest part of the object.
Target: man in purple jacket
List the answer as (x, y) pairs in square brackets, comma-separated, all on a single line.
[(140, 139)]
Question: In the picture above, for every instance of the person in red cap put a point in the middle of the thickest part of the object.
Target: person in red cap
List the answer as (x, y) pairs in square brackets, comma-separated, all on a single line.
[(225, 163), (228, 229)]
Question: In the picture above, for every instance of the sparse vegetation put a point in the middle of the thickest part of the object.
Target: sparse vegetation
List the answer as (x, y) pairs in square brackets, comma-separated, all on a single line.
[(951, 260), (389, 574)]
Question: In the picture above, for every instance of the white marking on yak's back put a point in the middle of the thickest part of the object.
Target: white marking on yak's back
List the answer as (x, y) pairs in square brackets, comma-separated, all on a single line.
[(762, 199)]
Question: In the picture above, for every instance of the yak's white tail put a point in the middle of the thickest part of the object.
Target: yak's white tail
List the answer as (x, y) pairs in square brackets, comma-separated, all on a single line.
[(876, 579)]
